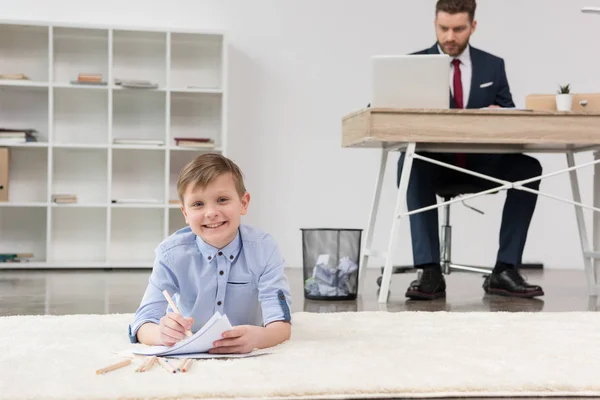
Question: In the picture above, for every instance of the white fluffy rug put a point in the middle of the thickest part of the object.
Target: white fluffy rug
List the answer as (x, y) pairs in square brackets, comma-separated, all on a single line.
[(342, 355)]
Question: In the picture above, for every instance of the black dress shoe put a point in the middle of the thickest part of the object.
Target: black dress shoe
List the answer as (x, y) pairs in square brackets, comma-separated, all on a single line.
[(510, 283), (431, 285)]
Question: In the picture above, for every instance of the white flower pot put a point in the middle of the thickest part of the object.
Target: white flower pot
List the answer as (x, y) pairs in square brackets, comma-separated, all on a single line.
[(564, 102)]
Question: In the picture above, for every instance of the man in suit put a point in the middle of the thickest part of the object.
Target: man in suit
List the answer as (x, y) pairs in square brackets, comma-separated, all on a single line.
[(478, 79)]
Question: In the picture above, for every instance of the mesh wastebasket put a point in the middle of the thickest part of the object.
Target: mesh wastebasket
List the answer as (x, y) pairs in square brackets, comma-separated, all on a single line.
[(331, 258)]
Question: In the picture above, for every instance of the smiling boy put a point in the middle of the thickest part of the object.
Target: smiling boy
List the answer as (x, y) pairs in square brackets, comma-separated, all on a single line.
[(216, 264)]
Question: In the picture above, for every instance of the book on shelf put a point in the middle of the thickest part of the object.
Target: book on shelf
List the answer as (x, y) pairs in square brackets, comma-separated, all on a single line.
[(15, 257), (206, 143), (64, 198), (135, 201), (135, 83), (89, 79), (10, 136), (14, 77), (146, 142)]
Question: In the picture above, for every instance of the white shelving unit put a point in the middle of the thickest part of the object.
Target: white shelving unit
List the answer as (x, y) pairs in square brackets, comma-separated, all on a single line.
[(77, 125)]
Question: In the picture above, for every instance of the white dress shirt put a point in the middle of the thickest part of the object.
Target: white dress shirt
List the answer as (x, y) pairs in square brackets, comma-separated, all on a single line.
[(466, 70)]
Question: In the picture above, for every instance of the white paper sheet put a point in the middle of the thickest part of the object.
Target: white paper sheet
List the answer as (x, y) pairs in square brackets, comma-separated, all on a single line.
[(199, 342)]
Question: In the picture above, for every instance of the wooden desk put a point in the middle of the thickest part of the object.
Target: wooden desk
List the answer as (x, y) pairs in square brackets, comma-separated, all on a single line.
[(483, 131)]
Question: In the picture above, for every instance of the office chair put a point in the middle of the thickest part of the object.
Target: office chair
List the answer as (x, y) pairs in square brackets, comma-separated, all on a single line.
[(448, 192)]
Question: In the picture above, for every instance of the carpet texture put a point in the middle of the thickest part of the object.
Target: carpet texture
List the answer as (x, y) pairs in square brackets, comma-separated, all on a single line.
[(337, 355)]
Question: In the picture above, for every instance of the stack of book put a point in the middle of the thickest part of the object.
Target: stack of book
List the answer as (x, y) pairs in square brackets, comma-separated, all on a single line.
[(136, 83), (15, 257), (16, 136), (14, 77), (205, 143), (89, 79), (143, 142), (64, 198)]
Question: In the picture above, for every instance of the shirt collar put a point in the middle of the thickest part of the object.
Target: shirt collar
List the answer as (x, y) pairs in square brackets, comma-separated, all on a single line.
[(464, 57), (229, 252)]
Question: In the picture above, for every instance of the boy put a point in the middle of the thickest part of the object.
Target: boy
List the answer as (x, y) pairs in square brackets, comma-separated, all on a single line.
[(215, 264)]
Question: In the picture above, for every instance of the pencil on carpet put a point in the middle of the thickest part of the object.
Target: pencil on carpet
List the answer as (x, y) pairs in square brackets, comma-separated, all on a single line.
[(150, 363), (174, 307), (182, 364), (187, 365), (166, 365), (113, 367)]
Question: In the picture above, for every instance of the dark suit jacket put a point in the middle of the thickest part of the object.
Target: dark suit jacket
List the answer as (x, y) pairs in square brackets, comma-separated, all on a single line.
[(486, 68)]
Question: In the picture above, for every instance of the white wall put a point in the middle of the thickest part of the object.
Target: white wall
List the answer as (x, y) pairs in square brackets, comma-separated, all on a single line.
[(297, 66)]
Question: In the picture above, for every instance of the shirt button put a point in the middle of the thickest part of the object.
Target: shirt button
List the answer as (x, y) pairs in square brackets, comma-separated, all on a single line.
[(231, 257), (220, 253), (221, 272), (219, 303), (209, 257)]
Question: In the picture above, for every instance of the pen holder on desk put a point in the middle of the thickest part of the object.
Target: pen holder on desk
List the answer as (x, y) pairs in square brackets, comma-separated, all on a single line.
[(331, 258)]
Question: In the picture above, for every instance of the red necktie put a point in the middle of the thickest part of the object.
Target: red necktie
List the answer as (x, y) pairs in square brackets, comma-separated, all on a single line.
[(461, 158)]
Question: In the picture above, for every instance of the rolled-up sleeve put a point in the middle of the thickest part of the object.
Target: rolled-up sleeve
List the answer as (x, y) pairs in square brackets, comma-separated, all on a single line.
[(154, 305), (273, 286)]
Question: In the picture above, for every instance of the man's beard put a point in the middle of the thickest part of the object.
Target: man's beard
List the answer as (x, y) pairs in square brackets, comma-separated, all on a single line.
[(455, 49)]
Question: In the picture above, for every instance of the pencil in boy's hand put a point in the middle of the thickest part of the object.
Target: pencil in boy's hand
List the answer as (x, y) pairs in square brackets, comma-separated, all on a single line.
[(174, 307)]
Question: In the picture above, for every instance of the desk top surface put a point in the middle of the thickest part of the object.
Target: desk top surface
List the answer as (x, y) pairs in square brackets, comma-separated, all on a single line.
[(484, 129)]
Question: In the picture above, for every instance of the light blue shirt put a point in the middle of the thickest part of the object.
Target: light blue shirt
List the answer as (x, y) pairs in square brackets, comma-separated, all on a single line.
[(244, 280)]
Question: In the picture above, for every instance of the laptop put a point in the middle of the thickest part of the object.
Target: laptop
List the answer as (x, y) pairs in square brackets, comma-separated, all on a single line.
[(411, 81)]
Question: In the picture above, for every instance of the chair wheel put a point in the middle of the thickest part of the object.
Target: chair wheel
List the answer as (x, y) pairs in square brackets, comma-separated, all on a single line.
[(379, 280)]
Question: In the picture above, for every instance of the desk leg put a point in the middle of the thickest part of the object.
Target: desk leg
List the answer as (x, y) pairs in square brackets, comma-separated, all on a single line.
[(400, 211), (596, 227), (362, 270), (583, 238)]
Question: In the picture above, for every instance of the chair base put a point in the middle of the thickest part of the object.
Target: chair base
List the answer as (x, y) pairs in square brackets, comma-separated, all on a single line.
[(447, 269)]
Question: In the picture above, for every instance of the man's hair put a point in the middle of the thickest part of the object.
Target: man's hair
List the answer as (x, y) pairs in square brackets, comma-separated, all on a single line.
[(457, 6), (204, 169)]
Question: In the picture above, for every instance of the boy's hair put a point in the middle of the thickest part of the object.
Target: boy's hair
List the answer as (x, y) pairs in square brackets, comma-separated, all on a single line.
[(457, 6), (205, 168)]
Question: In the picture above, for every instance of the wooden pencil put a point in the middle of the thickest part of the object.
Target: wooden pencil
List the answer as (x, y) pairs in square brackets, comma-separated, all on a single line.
[(166, 365), (182, 364), (113, 367), (150, 363), (187, 365), (174, 307)]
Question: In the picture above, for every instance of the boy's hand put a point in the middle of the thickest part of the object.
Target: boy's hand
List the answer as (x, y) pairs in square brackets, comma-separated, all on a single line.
[(173, 327), (241, 339)]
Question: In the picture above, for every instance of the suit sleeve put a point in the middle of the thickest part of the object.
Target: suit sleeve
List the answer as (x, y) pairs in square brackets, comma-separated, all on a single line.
[(503, 96)]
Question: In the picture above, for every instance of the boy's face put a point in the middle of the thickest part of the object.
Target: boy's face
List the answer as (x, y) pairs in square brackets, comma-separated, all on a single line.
[(214, 212)]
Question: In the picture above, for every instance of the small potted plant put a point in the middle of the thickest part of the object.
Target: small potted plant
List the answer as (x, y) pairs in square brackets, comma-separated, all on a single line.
[(564, 98)]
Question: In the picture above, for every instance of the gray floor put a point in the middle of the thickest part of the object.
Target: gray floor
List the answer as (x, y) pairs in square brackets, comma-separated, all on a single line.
[(118, 291)]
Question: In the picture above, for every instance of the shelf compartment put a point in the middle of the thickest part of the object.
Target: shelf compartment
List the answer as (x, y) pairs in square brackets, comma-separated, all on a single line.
[(23, 107), (140, 55), (78, 234), (79, 50), (176, 220), (195, 115), (82, 172), (24, 50), (196, 61), (23, 231), (135, 233), (139, 114), (28, 175), (80, 116), (138, 174)]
